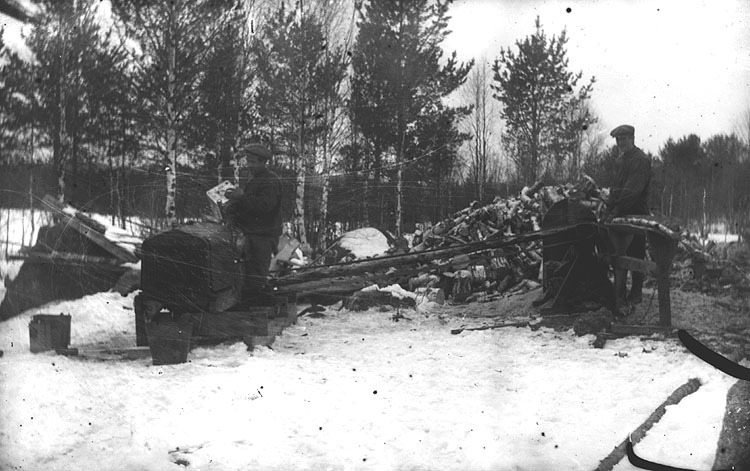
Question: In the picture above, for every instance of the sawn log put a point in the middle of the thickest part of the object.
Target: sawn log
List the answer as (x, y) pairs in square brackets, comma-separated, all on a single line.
[(438, 257)]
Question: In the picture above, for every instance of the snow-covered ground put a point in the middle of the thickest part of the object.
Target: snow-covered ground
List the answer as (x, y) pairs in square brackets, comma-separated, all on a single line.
[(351, 390)]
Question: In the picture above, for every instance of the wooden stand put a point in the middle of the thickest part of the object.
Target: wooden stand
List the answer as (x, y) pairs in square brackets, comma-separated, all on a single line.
[(257, 325), (661, 248)]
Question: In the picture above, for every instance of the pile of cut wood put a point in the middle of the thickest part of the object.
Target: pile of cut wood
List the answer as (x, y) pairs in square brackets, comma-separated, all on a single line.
[(481, 252), (506, 216), (711, 267)]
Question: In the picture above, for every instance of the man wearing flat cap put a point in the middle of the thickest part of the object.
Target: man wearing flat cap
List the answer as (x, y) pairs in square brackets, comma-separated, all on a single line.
[(255, 209), (629, 197)]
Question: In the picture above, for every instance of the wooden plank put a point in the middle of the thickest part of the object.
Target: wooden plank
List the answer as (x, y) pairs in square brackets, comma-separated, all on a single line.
[(66, 257), (89, 232), (231, 324), (640, 329), (624, 262), (127, 353)]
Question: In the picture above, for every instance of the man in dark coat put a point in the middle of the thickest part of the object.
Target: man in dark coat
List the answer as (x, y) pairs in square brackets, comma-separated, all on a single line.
[(255, 209), (629, 197)]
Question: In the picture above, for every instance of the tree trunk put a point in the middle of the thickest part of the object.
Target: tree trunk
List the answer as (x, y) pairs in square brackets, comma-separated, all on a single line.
[(323, 239), (399, 199), (171, 170), (111, 181), (31, 204), (61, 136), (299, 207), (365, 207), (299, 201)]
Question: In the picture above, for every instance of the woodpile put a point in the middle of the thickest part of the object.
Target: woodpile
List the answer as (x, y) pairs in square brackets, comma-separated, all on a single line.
[(711, 267), (480, 252), (514, 269), (506, 216)]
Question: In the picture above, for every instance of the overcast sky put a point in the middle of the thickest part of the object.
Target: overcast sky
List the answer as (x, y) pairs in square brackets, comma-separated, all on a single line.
[(669, 68)]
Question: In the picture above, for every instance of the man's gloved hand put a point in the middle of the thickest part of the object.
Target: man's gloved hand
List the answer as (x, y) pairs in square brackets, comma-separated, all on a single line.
[(234, 193)]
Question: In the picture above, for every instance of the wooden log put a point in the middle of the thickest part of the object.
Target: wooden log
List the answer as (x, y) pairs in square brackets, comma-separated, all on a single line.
[(333, 284), (128, 353), (623, 262), (620, 450), (66, 257), (494, 326), (425, 258), (640, 330)]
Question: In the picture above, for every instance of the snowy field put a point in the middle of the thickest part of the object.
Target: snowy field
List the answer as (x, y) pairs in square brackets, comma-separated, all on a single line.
[(350, 391)]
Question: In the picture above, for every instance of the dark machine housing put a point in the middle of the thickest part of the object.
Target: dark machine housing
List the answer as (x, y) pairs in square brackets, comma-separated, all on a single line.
[(193, 268)]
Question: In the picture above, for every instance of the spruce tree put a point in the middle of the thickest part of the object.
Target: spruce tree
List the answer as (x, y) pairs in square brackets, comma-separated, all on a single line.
[(544, 111), (399, 79)]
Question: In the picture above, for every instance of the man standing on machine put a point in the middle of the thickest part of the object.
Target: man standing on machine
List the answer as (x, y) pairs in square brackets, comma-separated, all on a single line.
[(255, 209), (629, 197)]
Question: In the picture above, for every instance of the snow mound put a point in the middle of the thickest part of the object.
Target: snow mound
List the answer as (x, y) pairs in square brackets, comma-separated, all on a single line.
[(365, 243)]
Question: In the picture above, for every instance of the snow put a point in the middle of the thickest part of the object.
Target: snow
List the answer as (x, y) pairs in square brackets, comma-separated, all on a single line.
[(365, 243), (351, 390)]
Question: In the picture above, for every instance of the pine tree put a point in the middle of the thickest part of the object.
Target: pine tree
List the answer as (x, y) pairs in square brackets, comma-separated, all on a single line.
[(69, 48), (545, 116), (225, 106), (398, 79), (174, 40), (300, 77)]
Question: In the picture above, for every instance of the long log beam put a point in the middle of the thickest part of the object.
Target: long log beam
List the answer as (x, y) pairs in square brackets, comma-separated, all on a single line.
[(429, 258)]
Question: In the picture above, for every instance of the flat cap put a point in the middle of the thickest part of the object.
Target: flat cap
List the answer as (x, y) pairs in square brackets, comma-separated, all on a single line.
[(256, 149), (623, 130)]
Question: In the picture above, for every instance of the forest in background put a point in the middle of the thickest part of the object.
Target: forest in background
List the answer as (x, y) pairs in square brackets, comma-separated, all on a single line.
[(136, 111)]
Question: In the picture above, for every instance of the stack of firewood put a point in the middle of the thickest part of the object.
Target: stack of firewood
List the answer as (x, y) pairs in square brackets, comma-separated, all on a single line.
[(505, 216), (482, 250), (709, 267), (506, 270)]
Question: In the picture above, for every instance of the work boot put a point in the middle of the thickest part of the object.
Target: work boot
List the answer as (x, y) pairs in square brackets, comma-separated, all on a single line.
[(635, 296)]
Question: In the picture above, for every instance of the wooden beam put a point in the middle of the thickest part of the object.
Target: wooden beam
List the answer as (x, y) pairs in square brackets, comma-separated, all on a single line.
[(430, 257), (624, 262), (640, 329), (65, 257), (619, 452), (89, 232), (231, 324)]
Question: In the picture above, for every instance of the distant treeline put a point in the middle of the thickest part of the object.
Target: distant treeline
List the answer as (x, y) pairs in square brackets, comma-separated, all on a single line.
[(696, 183), (131, 191)]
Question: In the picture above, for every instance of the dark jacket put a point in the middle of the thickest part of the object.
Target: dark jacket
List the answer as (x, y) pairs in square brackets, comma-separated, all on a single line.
[(258, 212), (629, 195)]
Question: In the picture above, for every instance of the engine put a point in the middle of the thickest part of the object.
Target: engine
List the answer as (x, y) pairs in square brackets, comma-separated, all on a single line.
[(191, 268)]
